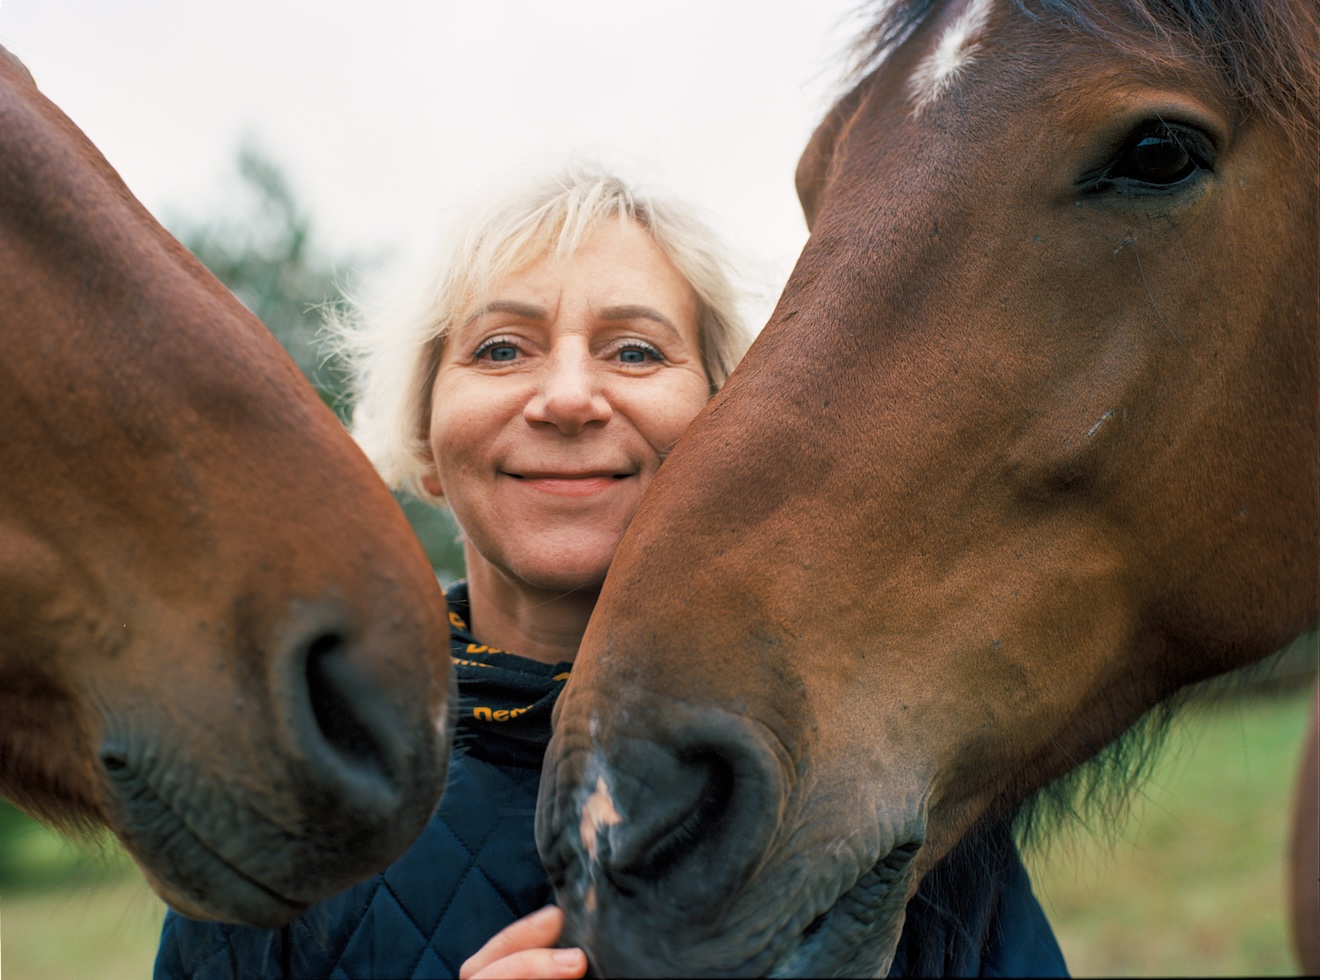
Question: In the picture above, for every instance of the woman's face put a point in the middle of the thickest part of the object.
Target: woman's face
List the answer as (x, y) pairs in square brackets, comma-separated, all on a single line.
[(557, 396)]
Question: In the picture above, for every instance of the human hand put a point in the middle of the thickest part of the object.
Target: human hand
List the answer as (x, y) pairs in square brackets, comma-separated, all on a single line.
[(523, 949)]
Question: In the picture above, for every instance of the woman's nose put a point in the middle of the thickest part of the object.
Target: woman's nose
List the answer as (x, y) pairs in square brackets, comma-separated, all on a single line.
[(570, 395)]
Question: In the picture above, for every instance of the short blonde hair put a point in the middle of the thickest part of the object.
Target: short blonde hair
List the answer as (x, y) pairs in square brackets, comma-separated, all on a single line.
[(392, 357)]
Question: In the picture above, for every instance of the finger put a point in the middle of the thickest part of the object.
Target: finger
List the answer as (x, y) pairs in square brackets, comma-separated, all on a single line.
[(536, 964), (536, 931)]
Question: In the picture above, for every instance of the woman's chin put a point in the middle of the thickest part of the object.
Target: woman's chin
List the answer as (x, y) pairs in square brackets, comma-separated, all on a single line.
[(574, 563), (565, 579)]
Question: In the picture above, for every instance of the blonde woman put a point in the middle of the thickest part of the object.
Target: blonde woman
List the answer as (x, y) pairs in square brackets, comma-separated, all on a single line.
[(534, 388)]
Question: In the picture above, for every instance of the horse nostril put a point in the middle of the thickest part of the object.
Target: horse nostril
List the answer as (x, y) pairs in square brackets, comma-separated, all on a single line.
[(344, 706), (112, 763), (687, 816), (697, 810)]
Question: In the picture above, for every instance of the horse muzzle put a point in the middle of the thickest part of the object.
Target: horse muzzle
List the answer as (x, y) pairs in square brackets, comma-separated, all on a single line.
[(330, 774), (662, 851)]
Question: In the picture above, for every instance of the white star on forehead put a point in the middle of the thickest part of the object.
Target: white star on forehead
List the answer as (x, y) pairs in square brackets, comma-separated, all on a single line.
[(957, 49)]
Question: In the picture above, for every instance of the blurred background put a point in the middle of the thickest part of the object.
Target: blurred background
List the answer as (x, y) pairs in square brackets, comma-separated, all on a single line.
[(386, 116), (307, 149)]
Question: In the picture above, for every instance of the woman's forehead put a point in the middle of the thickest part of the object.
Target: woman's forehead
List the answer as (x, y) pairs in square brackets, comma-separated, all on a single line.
[(616, 265)]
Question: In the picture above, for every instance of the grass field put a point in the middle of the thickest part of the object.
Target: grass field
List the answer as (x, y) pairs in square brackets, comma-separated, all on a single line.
[(72, 913), (1194, 886)]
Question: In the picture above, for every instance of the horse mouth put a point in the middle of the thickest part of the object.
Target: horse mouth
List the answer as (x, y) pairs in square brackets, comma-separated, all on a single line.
[(182, 867), (229, 895), (857, 935)]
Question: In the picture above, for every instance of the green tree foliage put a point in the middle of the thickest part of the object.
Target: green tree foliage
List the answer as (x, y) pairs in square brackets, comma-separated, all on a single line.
[(264, 252), (264, 249)]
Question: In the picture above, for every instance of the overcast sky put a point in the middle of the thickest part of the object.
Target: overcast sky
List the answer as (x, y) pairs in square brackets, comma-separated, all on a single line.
[(386, 113)]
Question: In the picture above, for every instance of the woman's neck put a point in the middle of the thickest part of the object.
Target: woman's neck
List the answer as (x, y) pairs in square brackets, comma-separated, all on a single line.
[(513, 616)]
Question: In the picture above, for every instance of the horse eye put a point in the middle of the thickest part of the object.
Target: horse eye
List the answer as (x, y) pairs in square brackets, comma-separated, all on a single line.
[(1158, 155)]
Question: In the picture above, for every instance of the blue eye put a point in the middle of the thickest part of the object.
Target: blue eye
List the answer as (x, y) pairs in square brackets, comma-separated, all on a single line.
[(496, 349), (639, 353)]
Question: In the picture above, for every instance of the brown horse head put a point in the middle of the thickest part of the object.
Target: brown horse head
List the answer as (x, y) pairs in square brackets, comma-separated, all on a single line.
[(1029, 444), (218, 635)]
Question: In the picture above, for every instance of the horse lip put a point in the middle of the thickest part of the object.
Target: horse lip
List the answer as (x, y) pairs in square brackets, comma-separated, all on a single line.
[(874, 905), (197, 875), (246, 900)]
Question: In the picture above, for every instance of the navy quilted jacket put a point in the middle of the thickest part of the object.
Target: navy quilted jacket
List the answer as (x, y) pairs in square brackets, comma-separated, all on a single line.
[(475, 868)]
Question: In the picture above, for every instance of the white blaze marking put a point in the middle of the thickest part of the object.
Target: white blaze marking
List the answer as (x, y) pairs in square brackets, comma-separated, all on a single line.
[(956, 50), (597, 812)]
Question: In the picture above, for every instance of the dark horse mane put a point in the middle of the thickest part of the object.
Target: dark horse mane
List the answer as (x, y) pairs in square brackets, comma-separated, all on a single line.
[(1266, 50), (1268, 54)]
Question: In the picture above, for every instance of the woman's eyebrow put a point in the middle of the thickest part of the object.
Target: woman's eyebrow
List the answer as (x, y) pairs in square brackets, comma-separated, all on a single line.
[(526, 310), (634, 312)]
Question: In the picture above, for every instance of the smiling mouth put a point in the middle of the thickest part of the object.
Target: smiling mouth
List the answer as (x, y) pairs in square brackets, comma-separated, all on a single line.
[(570, 484)]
